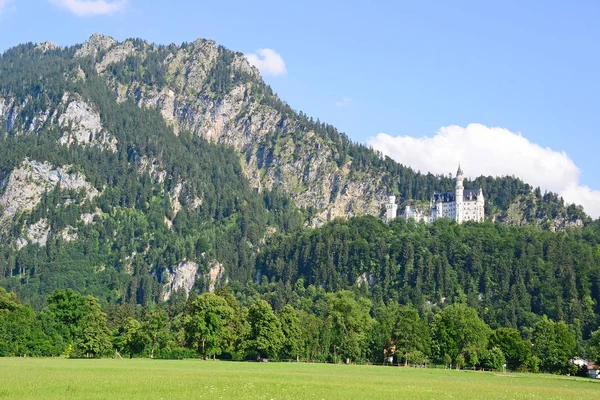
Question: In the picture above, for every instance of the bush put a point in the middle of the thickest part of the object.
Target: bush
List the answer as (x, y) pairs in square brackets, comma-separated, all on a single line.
[(175, 354)]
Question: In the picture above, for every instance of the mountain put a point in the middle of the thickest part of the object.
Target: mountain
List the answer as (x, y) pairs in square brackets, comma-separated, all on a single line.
[(135, 171)]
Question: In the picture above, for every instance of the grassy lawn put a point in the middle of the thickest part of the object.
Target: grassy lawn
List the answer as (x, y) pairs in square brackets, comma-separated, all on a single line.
[(32, 378)]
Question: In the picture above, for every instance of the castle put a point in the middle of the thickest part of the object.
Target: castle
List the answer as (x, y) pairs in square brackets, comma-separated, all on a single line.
[(460, 205)]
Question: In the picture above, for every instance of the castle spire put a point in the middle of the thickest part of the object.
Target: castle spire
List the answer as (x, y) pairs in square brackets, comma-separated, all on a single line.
[(460, 171)]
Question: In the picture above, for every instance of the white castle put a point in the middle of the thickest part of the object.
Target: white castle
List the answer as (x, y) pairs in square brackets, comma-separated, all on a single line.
[(460, 205)]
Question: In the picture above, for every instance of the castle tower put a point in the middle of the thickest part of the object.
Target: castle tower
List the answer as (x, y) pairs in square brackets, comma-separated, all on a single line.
[(459, 195), (480, 206), (391, 208)]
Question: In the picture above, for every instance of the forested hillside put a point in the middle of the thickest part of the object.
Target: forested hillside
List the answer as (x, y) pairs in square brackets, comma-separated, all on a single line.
[(152, 202), (511, 275), (139, 174)]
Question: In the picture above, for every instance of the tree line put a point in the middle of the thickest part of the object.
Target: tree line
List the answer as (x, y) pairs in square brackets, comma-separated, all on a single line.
[(338, 327)]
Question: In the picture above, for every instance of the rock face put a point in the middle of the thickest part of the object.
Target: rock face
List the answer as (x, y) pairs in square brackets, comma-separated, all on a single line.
[(95, 44), (180, 277), (519, 213), (81, 124), (88, 218), (69, 234), (39, 232), (27, 183), (303, 165), (216, 273), (9, 112), (184, 275), (365, 278), (47, 46)]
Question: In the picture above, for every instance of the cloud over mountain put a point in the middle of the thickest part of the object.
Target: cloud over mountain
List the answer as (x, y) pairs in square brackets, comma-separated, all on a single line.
[(482, 150), (268, 61)]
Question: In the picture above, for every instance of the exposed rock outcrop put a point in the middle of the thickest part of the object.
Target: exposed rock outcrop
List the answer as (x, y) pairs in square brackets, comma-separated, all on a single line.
[(9, 111), (117, 53), (184, 276), (180, 277), (216, 273), (365, 278), (88, 218), (37, 233), (28, 183), (95, 44), (47, 46), (69, 234), (81, 125)]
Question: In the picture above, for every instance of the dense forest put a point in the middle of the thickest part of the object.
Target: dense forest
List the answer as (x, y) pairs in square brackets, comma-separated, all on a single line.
[(355, 289), (511, 275)]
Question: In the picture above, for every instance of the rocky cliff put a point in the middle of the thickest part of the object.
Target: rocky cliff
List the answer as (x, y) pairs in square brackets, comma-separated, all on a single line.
[(276, 150)]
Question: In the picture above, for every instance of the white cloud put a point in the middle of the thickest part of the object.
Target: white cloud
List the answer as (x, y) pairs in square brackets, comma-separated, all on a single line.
[(268, 62), (343, 102), (491, 151), (91, 7)]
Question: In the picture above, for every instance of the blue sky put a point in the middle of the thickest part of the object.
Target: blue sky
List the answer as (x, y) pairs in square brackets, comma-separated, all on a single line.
[(398, 75)]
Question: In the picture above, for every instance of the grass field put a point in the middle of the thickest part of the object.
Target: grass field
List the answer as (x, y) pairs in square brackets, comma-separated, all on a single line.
[(32, 378)]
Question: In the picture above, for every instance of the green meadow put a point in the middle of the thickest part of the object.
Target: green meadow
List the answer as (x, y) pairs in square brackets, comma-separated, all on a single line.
[(32, 378)]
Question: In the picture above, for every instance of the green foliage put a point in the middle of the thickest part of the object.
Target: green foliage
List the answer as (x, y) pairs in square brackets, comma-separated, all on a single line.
[(458, 332), (93, 338), (22, 331), (206, 322), (132, 338), (82, 323), (350, 323), (401, 331), (595, 346), (494, 358), (331, 327), (265, 336), (516, 351), (155, 327), (292, 332), (553, 344)]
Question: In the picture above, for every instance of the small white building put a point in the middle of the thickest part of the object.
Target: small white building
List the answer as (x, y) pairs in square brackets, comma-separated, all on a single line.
[(592, 370)]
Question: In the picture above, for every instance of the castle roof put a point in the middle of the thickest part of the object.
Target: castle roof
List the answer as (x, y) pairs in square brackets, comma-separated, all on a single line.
[(448, 197)]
